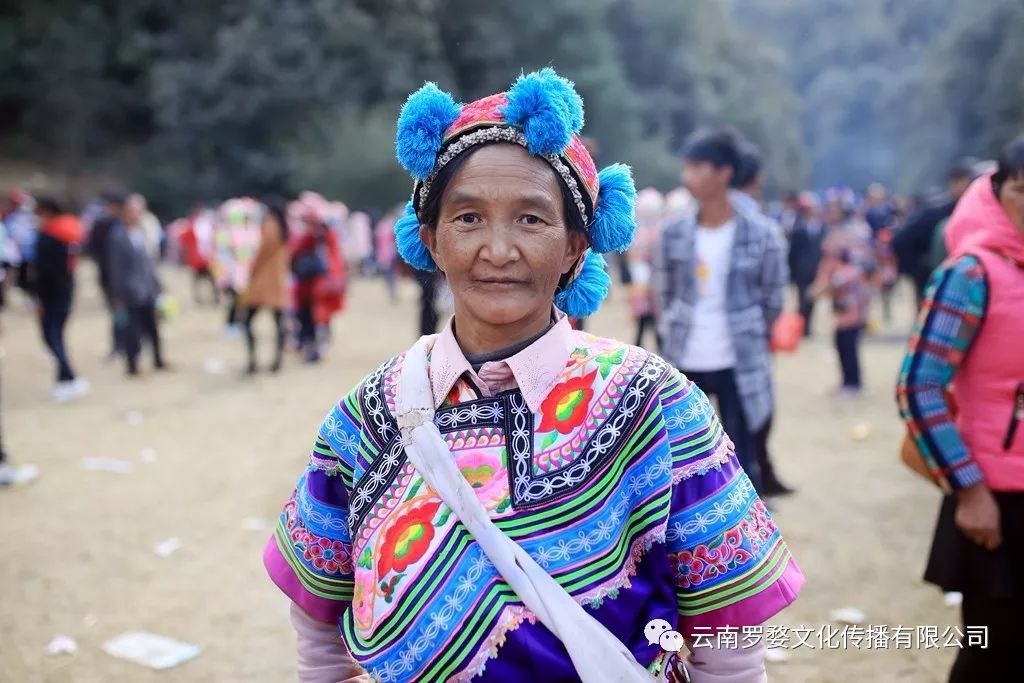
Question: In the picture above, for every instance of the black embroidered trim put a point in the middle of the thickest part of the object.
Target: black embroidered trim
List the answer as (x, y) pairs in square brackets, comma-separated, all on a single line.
[(507, 411)]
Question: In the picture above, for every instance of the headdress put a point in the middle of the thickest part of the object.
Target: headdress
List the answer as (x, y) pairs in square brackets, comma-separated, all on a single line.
[(542, 113)]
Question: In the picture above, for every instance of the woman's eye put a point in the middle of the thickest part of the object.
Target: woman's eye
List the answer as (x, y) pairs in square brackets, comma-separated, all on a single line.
[(468, 218), (530, 219)]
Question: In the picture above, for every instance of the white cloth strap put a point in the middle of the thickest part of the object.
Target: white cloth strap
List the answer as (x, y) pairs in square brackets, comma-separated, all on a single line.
[(597, 655)]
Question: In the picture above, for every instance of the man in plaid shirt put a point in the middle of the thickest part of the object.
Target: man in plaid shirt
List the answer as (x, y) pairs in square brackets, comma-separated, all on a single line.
[(720, 278)]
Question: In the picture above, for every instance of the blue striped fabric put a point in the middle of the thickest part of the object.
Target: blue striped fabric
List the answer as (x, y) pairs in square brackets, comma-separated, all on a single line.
[(949, 320)]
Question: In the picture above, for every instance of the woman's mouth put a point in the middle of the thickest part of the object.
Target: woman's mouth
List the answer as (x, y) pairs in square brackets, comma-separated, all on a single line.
[(500, 282)]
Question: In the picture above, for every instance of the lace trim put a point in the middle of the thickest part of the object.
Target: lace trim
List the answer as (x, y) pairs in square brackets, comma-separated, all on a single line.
[(610, 589), (721, 455), (512, 617)]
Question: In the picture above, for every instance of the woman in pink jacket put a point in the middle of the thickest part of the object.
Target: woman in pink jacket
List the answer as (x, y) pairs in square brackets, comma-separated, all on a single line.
[(968, 344)]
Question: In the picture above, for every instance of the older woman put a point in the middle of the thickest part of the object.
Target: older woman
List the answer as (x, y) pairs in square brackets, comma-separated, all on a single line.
[(513, 500), (968, 337)]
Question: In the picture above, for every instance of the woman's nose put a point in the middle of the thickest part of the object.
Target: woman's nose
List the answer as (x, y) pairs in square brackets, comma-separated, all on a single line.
[(500, 249)]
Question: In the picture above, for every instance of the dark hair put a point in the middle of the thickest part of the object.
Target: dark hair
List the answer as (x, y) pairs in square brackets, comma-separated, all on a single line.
[(1010, 164), (749, 166), (49, 205), (276, 208), (719, 147), (430, 212), (116, 197), (963, 168), (278, 211)]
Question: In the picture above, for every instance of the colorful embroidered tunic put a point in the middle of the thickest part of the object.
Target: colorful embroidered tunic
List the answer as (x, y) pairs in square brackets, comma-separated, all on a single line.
[(603, 462)]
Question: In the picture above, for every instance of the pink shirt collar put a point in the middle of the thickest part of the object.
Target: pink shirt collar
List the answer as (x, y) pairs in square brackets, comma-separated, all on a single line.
[(535, 370)]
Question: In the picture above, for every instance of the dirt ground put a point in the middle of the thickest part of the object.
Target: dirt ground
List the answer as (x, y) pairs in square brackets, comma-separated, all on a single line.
[(76, 546)]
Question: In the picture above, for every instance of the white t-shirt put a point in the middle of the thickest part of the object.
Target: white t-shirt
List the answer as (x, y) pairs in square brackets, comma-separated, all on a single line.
[(709, 346)]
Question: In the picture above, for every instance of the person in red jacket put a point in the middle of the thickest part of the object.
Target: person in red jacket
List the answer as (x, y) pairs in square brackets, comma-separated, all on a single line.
[(196, 244), (60, 234), (320, 276)]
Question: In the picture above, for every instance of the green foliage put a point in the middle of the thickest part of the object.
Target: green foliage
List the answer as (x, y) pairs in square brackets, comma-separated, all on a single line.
[(202, 100), (895, 91)]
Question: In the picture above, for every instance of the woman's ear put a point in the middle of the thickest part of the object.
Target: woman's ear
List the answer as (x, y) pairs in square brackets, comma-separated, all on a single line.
[(429, 238), (577, 245)]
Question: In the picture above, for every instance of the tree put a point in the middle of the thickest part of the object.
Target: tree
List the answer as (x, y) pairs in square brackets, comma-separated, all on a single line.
[(188, 101)]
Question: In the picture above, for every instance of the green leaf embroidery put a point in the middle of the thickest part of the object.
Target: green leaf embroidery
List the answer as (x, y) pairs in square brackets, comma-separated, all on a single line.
[(580, 353), (444, 517), (549, 441), (387, 588), (606, 361), (612, 358), (413, 489), (365, 560)]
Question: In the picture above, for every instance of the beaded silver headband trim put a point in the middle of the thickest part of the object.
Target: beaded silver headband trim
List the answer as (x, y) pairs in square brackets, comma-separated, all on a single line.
[(503, 134)]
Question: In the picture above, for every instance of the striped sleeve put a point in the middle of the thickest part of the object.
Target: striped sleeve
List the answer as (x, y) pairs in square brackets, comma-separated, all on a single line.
[(729, 563), (949, 320), (309, 555)]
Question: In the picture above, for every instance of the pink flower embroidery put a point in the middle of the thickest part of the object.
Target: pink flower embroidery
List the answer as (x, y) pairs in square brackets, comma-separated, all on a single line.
[(485, 473)]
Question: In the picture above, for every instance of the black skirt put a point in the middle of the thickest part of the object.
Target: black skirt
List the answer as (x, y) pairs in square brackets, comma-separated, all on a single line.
[(958, 564)]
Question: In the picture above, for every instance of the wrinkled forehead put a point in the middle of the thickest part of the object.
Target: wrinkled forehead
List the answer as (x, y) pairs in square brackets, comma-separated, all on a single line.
[(504, 174)]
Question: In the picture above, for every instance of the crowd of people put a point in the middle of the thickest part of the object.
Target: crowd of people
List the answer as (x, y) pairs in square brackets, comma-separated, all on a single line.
[(707, 270), (708, 273), (710, 265), (293, 260), (290, 259)]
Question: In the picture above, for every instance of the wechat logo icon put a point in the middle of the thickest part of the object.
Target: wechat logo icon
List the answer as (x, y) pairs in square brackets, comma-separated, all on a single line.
[(660, 632)]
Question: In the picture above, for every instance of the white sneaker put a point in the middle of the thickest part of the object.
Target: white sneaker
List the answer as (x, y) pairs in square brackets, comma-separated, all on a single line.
[(64, 391), (23, 474), (81, 387), (70, 389)]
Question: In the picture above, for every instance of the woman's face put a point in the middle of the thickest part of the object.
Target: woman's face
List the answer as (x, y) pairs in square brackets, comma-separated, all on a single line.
[(1011, 196), (502, 237), (833, 213)]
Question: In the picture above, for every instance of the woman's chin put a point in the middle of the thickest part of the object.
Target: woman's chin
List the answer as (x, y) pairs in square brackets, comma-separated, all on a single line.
[(498, 313)]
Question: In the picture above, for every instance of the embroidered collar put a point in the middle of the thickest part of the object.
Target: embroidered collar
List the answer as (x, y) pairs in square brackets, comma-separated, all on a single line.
[(536, 369)]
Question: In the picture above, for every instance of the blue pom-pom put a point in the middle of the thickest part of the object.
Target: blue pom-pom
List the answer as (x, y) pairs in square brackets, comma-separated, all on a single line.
[(614, 218), (425, 116), (547, 108), (587, 291), (407, 239)]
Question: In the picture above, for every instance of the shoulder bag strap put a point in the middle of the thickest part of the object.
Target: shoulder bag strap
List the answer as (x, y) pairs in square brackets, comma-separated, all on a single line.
[(597, 655)]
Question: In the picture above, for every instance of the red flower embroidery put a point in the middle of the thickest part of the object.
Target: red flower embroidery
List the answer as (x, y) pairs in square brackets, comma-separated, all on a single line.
[(299, 535), (687, 569), (567, 405), (453, 396), (329, 556), (407, 539), (707, 562)]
